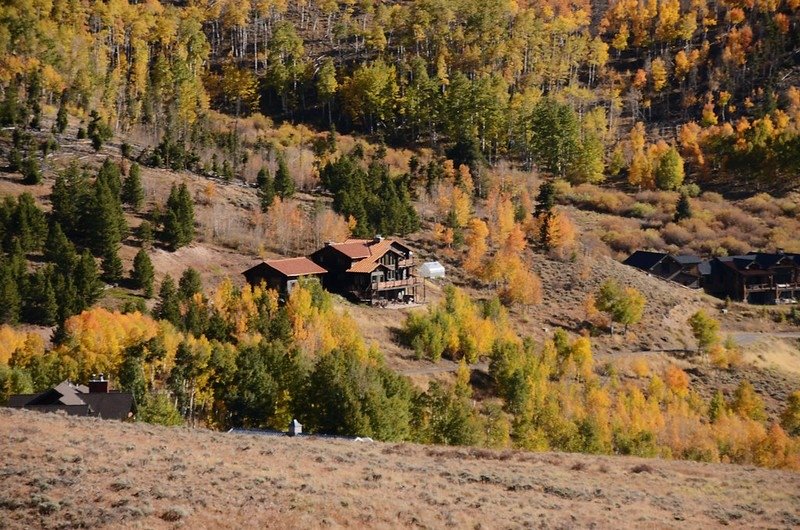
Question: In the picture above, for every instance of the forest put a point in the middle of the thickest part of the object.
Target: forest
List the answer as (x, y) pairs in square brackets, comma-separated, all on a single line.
[(647, 110), (624, 88)]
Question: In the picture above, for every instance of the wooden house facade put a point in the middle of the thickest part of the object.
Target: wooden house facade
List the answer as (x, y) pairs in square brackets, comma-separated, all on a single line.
[(756, 278), (689, 271), (369, 269), (283, 274)]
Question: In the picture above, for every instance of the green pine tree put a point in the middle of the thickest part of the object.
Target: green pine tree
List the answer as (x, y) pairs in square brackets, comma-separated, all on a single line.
[(168, 307), (683, 210), (172, 233), (59, 250), (189, 284), (98, 131), (40, 299), (31, 172), (107, 238), (179, 218), (111, 265), (61, 117), (159, 410), (284, 184), (145, 234), (142, 274), (131, 374), (111, 174), (87, 283), (266, 189), (9, 294), (132, 191)]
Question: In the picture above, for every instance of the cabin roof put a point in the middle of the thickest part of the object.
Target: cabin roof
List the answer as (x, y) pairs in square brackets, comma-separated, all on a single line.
[(77, 398), (645, 259), (295, 266), (371, 262)]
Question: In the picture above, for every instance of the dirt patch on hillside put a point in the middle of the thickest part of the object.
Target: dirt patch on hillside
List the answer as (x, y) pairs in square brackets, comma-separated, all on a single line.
[(78, 472), (213, 263)]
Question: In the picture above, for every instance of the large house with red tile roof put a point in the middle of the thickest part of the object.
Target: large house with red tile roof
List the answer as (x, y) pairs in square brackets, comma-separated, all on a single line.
[(369, 269)]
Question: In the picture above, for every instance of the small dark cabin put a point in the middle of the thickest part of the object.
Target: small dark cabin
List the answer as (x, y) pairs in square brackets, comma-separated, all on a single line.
[(94, 400), (685, 270), (283, 274)]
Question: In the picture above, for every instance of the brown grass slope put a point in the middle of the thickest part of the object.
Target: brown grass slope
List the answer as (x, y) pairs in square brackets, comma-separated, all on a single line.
[(60, 472)]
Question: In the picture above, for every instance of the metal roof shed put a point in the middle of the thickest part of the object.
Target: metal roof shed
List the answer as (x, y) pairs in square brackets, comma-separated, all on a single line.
[(432, 269)]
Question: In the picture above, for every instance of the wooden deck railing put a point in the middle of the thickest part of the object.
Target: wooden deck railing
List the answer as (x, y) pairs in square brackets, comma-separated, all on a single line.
[(393, 284)]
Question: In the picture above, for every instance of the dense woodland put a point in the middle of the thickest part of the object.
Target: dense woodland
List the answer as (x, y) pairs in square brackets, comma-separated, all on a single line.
[(580, 89), (668, 100)]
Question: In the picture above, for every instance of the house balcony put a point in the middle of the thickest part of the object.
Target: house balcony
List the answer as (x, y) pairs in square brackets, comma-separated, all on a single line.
[(393, 284), (405, 263), (772, 287)]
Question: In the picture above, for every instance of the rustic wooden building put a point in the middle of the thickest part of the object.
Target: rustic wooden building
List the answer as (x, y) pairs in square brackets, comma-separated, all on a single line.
[(756, 278), (79, 400), (369, 269), (283, 274)]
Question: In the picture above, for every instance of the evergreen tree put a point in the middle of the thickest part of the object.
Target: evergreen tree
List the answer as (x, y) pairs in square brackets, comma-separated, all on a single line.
[(30, 170), (145, 234), (111, 175), (59, 250), (168, 307), (87, 283), (158, 409), (172, 234), (131, 375), (717, 407), (790, 417), (266, 189), (71, 192), (132, 192), (284, 184), (111, 264), (467, 151), (98, 131), (546, 199), (34, 95), (683, 210), (142, 274), (189, 284), (179, 221), (27, 223), (9, 294), (265, 376), (61, 117), (556, 137), (41, 306), (346, 395), (107, 238)]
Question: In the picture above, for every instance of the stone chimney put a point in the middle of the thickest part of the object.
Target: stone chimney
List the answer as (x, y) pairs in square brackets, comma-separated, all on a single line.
[(377, 239), (98, 385)]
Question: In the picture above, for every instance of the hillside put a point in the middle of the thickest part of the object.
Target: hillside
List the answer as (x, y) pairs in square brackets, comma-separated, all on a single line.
[(59, 471), (152, 151)]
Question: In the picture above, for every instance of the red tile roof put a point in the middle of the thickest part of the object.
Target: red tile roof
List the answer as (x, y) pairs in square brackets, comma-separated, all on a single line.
[(295, 266), (376, 252), (353, 249)]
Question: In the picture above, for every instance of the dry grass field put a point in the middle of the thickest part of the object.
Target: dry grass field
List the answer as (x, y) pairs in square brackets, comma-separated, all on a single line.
[(66, 472)]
